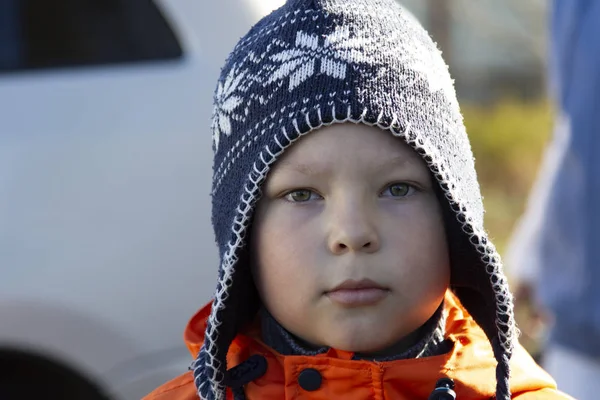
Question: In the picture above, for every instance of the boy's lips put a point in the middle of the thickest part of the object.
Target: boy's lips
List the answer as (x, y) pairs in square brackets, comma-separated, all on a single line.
[(352, 293)]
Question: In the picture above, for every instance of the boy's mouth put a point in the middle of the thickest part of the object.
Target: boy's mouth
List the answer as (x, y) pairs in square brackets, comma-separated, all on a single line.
[(352, 293)]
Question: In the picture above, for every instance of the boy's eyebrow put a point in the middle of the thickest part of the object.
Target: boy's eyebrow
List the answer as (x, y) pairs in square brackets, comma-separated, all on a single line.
[(302, 168), (309, 170), (398, 161)]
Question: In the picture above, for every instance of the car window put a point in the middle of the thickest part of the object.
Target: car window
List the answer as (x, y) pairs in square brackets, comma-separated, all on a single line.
[(37, 34)]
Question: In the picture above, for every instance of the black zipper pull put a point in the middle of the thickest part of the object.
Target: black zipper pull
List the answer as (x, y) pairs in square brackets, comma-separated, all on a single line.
[(444, 390)]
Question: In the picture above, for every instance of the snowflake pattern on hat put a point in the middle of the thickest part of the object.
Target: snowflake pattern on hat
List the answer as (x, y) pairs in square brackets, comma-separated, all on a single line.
[(226, 104), (334, 52)]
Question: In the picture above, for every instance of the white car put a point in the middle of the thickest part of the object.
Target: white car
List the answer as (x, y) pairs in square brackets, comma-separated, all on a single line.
[(106, 246)]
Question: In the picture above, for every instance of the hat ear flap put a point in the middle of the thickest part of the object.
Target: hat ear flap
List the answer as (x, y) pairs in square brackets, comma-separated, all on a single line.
[(468, 280)]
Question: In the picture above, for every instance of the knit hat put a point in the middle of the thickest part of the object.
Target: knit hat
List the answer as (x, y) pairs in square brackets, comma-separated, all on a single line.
[(313, 63)]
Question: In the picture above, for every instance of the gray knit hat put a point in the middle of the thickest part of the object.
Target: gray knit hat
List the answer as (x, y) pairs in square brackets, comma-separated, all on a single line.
[(313, 63)]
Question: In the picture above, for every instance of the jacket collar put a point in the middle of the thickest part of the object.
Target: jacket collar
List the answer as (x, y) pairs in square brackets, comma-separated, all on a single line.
[(470, 364)]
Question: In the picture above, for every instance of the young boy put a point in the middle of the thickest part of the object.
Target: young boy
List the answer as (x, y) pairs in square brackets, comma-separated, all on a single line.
[(354, 263)]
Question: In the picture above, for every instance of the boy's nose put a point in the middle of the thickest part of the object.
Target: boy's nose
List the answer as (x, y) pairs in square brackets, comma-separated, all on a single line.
[(353, 234)]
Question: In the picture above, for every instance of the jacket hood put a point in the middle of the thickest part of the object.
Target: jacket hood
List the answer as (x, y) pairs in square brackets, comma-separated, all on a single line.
[(313, 63), (470, 364)]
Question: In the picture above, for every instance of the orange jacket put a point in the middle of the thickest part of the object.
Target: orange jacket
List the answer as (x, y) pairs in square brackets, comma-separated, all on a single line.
[(470, 364)]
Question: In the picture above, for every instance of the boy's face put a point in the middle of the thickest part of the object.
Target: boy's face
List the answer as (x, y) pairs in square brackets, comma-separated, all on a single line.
[(350, 205)]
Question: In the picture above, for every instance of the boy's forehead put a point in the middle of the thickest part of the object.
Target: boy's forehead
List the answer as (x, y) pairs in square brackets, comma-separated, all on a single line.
[(371, 147)]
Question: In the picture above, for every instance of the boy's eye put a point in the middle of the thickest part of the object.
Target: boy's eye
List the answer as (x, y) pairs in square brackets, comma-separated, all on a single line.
[(301, 196), (399, 190)]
